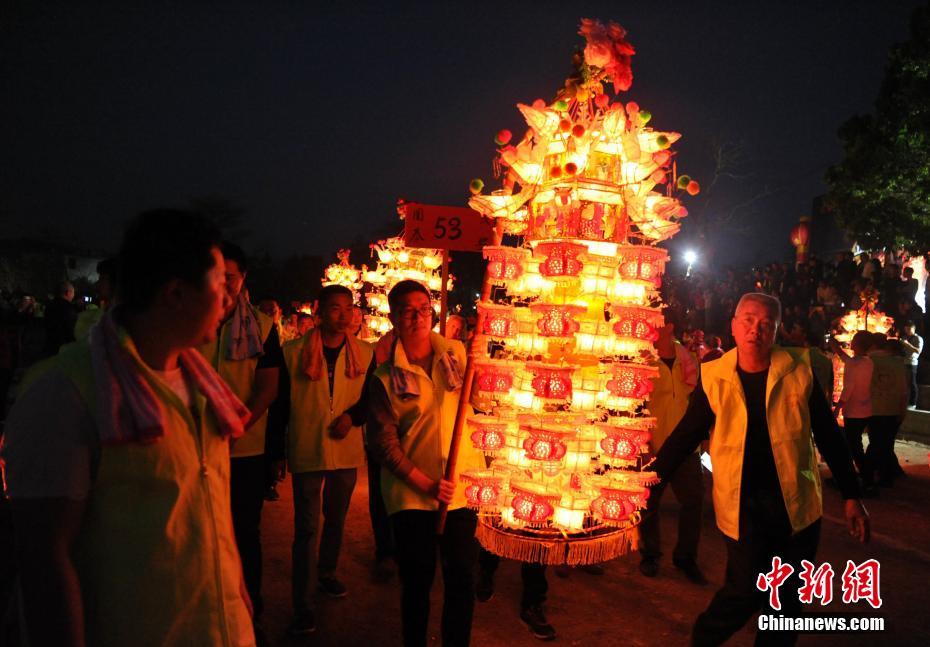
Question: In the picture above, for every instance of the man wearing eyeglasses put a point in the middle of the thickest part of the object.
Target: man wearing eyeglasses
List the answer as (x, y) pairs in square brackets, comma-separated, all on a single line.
[(413, 398), (766, 413)]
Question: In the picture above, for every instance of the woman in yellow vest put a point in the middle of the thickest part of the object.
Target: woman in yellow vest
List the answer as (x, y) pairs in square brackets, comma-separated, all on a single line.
[(766, 413), (246, 353), (117, 462), (413, 399), (327, 368)]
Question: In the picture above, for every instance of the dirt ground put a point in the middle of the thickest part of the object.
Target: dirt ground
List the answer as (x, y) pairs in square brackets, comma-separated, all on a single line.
[(621, 607)]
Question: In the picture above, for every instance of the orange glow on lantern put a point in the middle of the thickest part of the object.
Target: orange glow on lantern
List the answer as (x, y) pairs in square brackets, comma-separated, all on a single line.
[(506, 263), (561, 261), (551, 382), (556, 320), (641, 262)]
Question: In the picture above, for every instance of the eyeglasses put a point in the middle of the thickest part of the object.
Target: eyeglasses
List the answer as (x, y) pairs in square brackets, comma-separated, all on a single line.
[(408, 314)]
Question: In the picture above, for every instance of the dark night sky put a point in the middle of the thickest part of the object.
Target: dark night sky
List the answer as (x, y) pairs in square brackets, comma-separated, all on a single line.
[(315, 117)]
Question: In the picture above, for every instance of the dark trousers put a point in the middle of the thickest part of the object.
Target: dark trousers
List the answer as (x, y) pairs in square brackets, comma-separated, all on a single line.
[(688, 485), (854, 428), (327, 492), (535, 585), (380, 523), (247, 494), (739, 599), (882, 431), (417, 548), (912, 382)]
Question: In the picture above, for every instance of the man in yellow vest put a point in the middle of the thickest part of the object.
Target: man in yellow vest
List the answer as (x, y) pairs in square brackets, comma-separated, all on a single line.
[(326, 368), (413, 398), (117, 462), (766, 412), (678, 375), (246, 353)]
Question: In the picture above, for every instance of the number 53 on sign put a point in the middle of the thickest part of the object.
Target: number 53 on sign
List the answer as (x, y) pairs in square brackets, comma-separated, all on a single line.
[(451, 228)]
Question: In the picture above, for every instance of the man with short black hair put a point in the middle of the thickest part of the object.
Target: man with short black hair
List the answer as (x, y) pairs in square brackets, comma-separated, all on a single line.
[(764, 413), (913, 345), (120, 490), (246, 353), (326, 368)]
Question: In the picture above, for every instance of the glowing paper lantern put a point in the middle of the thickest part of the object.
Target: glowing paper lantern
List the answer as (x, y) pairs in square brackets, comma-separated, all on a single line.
[(642, 263), (566, 340), (561, 260), (482, 489)]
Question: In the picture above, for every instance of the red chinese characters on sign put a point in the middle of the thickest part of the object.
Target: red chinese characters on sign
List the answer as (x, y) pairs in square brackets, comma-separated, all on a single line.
[(862, 583), (817, 583), (438, 227), (772, 580)]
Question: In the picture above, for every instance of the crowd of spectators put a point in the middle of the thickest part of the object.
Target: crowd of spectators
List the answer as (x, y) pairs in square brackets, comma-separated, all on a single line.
[(813, 295)]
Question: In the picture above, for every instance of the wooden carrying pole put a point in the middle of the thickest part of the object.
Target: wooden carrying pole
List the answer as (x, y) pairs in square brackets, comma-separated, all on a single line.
[(444, 293), (467, 381)]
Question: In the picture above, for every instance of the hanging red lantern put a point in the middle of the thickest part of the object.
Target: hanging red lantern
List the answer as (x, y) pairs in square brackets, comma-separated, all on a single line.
[(489, 437), (497, 321), (615, 506), (625, 444), (552, 382), (631, 380), (482, 489), (642, 263), (543, 445), (506, 263), (557, 320), (637, 322), (800, 236), (532, 507), (494, 377), (562, 260)]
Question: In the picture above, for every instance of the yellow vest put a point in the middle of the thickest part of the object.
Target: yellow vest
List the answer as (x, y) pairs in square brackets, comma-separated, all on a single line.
[(668, 401), (240, 376), (310, 447), (156, 556), (787, 391), (426, 424)]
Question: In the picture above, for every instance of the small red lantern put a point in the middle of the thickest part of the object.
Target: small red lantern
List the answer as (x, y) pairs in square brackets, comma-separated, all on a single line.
[(494, 377), (615, 506), (482, 489), (625, 444), (642, 263), (506, 263), (631, 380), (638, 323), (497, 321), (800, 237), (557, 320), (544, 446), (533, 508), (561, 261), (552, 382), (489, 437)]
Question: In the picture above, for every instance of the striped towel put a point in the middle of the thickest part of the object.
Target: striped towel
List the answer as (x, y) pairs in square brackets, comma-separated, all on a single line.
[(405, 383), (127, 405), (245, 335), (312, 360)]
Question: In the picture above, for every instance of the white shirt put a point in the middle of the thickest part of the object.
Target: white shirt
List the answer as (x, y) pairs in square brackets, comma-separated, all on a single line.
[(856, 398)]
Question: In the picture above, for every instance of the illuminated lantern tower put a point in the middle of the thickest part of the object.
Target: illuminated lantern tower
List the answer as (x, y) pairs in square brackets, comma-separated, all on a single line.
[(565, 355), (344, 274), (396, 263)]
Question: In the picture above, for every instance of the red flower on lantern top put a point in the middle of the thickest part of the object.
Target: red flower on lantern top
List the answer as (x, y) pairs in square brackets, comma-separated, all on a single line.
[(608, 49)]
